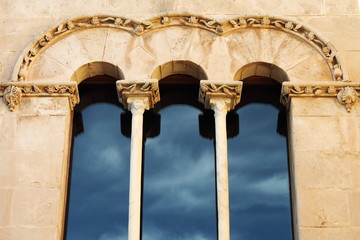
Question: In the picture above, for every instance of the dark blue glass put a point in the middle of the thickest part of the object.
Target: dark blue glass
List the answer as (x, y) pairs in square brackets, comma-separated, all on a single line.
[(258, 176), (98, 202), (179, 181)]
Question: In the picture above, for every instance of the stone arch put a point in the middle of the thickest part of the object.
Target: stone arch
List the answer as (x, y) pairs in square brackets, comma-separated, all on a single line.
[(97, 68), (261, 69), (179, 67), (218, 47)]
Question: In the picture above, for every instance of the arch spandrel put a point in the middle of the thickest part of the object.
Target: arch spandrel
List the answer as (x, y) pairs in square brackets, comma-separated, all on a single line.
[(217, 29)]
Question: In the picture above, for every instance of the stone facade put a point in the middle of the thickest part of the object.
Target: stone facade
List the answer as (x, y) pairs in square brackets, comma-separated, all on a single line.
[(48, 47)]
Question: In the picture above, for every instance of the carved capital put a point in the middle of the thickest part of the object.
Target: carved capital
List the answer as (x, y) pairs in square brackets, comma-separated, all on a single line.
[(15, 91), (138, 89), (346, 93), (137, 105), (213, 89)]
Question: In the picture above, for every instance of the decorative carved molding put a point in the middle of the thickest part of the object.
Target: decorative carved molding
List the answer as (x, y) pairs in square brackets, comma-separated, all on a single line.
[(211, 89), (328, 52), (138, 89), (346, 93), (13, 92)]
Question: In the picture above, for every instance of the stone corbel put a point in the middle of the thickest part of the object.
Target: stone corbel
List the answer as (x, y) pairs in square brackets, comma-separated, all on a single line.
[(144, 89), (13, 92), (213, 89), (346, 93)]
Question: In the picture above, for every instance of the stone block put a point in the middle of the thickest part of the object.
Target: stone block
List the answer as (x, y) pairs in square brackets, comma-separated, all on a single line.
[(41, 133), (339, 29), (54, 106), (35, 207), (28, 233), (31, 169), (321, 107), (334, 7), (355, 208), (316, 134), (5, 207), (324, 170), (321, 208), (313, 233), (7, 129)]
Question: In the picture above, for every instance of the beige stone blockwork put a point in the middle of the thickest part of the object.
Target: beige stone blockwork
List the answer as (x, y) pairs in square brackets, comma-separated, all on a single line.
[(40, 133), (321, 107), (355, 208), (31, 169), (339, 29), (7, 63), (352, 61), (5, 206), (44, 106), (324, 169), (35, 207), (28, 233), (7, 130), (315, 233), (334, 7), (323, 208)]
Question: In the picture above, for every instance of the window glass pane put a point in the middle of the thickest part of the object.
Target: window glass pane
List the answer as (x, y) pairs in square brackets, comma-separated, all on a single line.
[(179, 181), (98, 202), (258, 176)]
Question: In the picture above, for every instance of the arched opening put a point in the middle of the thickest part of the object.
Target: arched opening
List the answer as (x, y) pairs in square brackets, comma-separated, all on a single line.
[(99, 169), (179, 186), (260, 196), (262, 70), (179, 67), (93, 69)]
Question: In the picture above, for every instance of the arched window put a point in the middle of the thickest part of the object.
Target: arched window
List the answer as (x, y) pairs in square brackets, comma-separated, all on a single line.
[(99, 180)]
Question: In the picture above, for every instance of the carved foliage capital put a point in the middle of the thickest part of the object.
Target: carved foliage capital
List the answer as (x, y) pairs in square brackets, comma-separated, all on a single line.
[(346, 93), (212, 89), (15, 91), (138, 89)]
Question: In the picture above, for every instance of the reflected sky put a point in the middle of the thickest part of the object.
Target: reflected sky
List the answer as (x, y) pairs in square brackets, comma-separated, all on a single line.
[(98, 203), (179, 186), (179, 178), (258, 177)]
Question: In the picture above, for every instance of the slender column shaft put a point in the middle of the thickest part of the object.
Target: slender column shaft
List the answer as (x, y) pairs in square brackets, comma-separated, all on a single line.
[(137, 107), (220, 107)]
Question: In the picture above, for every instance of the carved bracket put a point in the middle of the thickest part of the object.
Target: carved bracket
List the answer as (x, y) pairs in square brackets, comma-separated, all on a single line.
[(138, 89), (211, 89), (13, 92), (291, 26), (346, 93)]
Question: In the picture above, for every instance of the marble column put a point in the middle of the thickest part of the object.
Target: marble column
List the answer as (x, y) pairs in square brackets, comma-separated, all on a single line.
[(221, 96), (136, 96)]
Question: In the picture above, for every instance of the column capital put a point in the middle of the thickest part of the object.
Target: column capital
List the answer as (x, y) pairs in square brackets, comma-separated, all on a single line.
[(13, 92), (147, 90), (346, 93), (229, 91)]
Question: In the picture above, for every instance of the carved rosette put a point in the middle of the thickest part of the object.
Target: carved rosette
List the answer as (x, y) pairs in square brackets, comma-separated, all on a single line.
[(144, 89), (348, 97), (346, 93), (213, 89), (139, 28), (15, 91), (12, 96)]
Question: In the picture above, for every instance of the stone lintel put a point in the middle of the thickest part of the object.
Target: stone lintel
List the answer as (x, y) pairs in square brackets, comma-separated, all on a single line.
[(347, 93), (13, 92), (148, 88), (217, 89)]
